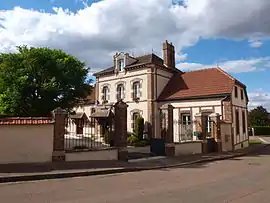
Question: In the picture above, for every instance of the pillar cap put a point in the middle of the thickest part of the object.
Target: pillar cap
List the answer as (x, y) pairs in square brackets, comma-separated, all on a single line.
[(121, 103), (59, 111), (166, 106)]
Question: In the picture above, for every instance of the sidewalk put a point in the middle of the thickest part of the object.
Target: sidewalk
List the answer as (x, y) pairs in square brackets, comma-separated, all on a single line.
[(15, 173)]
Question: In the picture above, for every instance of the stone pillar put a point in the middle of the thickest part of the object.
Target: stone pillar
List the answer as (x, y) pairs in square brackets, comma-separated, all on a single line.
[(168, 129), (120, 134), (216, 133), (60, 116), (200, 127)]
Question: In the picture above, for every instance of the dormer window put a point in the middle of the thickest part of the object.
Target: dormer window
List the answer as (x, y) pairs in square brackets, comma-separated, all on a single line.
[(120, 64)]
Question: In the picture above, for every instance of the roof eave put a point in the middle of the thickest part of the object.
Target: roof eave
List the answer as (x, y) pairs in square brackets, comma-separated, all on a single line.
[(195, 97)]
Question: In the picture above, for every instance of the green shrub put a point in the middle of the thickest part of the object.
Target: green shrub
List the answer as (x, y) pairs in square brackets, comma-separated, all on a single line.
[(134, 141), (141, 143), (129, 134), (261, 130), (139, 128), (131, 140)]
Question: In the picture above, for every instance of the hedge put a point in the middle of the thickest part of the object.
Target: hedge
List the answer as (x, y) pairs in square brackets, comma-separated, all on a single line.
[(261, 130)]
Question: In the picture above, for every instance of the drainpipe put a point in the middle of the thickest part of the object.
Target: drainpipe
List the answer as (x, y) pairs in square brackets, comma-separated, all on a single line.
[(222, 106)]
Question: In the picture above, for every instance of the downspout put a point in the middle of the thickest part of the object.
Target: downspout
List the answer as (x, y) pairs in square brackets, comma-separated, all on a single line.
[(222, 113)]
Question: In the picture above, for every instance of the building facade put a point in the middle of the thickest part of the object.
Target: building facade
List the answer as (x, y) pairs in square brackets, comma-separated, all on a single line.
[(147, 82)]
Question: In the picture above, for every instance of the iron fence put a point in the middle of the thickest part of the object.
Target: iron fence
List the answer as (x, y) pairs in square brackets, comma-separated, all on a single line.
[(86, 134)]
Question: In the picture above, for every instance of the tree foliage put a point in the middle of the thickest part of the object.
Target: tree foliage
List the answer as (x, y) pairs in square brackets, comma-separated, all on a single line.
[(258, 117), (139, 128), (34, 81)]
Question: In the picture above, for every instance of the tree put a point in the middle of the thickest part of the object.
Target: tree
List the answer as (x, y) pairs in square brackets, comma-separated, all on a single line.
[(258, 117), (34, 81), (139, 128)]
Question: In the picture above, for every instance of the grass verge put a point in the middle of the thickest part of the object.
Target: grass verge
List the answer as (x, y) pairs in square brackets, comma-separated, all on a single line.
[(255, 142)]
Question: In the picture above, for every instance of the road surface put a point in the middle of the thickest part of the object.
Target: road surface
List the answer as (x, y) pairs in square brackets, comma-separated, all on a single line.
[(241, 180)]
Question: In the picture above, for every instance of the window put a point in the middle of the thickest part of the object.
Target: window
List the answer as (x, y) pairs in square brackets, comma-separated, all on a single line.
[(186, 120), (242, 94), (136, 90), (120, 92), (237, 122), (105, 92), (235, 92), (244, 121), (208, 124), (120, 64), (134, 117), (79, 126)]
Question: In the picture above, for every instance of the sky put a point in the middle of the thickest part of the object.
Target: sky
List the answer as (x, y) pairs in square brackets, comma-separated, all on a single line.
[(235, 35)]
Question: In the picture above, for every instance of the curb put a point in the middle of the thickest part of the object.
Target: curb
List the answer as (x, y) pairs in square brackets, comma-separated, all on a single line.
[(22, 178)]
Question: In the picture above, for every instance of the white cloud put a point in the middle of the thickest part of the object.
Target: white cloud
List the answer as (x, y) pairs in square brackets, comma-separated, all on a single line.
[(259, 98), (255, 43), (97, 31), (236, 66)]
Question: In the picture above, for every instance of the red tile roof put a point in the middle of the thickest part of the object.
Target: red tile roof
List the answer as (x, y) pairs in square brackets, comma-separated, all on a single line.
[(200, 83), (25, 120)]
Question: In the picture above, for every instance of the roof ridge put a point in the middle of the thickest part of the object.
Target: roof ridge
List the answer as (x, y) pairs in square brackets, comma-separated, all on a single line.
[(146, 55), (202, 69), (225, 73)]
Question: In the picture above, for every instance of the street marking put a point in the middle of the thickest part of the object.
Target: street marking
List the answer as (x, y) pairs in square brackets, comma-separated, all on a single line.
[(263, 140)]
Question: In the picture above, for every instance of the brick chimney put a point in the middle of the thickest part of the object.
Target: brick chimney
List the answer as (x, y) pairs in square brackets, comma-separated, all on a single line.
[(168, 54)]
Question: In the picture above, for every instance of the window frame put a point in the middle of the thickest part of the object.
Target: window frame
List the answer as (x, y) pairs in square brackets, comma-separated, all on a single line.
[(242, 94), (237, 123), (120, 64), (105, 94), (120, 92), (134, 118), (136, 90), (235, 91)]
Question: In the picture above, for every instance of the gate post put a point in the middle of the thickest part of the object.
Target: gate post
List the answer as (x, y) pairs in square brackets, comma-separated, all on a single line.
[(216, 133), (58, 153), (200, 127), (120, 133), (168, 129)]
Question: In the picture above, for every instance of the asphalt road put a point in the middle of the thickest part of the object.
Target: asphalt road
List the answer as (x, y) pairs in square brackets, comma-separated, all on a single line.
[(241, 180)]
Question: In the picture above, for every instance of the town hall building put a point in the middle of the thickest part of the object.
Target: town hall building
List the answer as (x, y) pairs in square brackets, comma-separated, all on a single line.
[(148, 82)]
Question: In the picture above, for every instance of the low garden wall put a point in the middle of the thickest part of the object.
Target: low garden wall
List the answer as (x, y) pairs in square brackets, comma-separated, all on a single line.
[(26, 143), (102, 154), (189, 147), (145, 149)]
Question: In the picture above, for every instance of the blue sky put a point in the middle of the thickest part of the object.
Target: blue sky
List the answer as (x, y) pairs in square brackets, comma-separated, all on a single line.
[(204, 32)]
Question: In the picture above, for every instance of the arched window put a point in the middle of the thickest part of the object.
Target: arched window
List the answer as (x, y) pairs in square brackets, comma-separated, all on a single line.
[(120, 92), (136, 90), (135, 115), (105, 92)]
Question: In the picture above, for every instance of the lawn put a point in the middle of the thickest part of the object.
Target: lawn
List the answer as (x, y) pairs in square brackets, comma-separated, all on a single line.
[(255, 142)]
